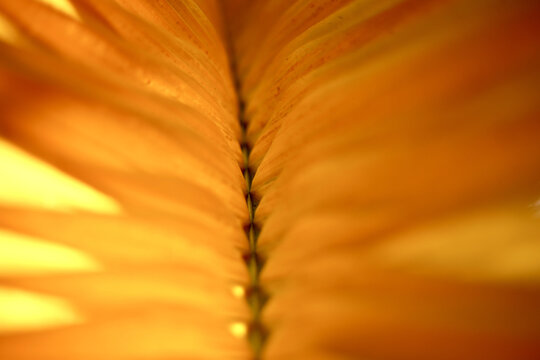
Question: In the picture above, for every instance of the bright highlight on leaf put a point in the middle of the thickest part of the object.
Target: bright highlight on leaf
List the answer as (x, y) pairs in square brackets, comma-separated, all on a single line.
[(238, 291), (27, 255), (22, 311), (64, 6), (8, 32), (238, 329), (31, 182)]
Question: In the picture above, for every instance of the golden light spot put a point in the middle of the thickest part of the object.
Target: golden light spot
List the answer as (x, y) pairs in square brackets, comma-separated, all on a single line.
[(238, 329), (30, 182), (22, 311), (22, 254), (238, 291), (8, 32), (498, 244), (64, 6)]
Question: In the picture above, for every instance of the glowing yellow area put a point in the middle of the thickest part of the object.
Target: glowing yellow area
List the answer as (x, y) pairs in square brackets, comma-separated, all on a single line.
[(238, 329), (64, 6), (238, 291), (25, 311), (490, 245), (8, 32), (29, 182), (21, 254)]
